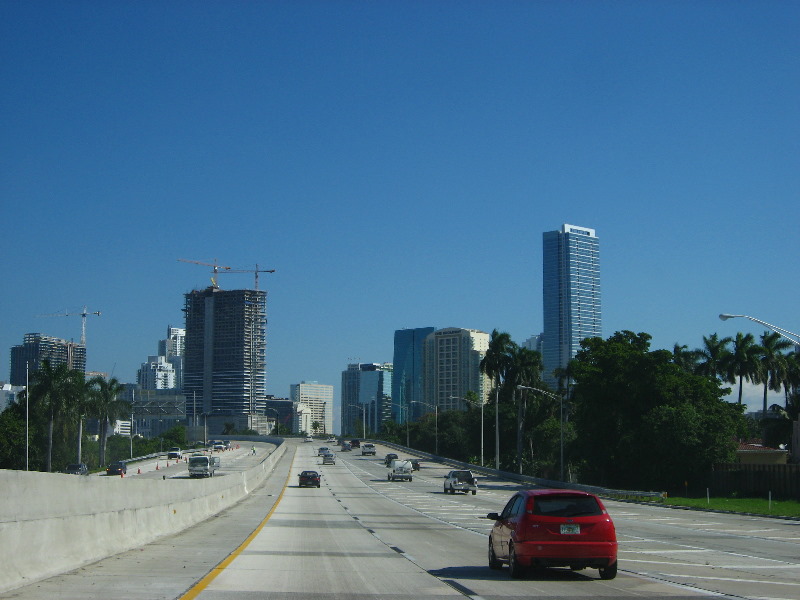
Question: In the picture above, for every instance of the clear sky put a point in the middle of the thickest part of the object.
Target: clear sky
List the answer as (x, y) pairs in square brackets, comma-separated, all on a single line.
[(397, 164)]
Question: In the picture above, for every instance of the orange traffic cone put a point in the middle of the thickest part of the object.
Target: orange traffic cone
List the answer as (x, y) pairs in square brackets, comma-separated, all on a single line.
[(156, 466), (121, 474), (139, 471)]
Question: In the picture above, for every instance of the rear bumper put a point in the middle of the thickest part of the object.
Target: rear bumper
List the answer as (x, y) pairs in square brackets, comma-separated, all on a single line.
[(555, 554)]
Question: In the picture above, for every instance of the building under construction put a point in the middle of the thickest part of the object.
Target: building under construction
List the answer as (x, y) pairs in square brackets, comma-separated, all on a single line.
[(225, 376)]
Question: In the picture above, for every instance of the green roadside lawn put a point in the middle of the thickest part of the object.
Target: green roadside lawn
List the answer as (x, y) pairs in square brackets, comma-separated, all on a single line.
[(758, 506)]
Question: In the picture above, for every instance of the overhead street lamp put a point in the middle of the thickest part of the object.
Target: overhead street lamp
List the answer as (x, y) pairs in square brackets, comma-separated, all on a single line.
[(561, 419), (436, 410), (792, 337)]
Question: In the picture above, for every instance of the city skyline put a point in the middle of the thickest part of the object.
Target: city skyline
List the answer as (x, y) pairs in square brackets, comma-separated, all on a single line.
[(396, 165)]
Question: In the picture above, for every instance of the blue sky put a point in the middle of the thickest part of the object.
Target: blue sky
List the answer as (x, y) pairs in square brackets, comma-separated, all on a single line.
[(396, 163)]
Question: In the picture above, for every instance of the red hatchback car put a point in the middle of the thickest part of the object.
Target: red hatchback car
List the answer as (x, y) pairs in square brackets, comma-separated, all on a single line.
[(553, 528)]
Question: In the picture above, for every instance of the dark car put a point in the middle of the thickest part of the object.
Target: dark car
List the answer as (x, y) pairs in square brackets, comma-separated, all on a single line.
[(553, 528), (309, 479), (117, 468), (389, 458), (355, 443), (415, 464), (77, 469)]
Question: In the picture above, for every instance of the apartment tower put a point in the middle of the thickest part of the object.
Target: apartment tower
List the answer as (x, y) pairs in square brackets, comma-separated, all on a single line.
[(224, 374), (571, 295)]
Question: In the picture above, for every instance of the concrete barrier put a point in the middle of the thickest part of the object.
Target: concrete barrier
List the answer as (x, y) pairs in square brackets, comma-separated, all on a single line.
[(52, 523)]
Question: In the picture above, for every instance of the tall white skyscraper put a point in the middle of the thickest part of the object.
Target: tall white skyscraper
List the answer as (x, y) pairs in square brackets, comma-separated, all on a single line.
[(571, 295)]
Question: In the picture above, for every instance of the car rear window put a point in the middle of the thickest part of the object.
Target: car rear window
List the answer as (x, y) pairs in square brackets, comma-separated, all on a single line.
[(566, 506)]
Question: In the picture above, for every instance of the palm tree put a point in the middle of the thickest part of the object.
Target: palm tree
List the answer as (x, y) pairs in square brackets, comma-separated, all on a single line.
[(712, 355), (525, 370), (52, 389), (773, 363), (686, 359), (495, 365), (743, 361), (106, 407)]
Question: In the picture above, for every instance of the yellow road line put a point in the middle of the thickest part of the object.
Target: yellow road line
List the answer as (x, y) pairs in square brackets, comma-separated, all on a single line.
[(201, 585)]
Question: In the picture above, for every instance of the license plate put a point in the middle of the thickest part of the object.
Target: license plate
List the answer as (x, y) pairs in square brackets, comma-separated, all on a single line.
[(570, 529)]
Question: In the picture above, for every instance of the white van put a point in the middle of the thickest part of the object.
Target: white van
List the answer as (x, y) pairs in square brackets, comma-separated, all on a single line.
[(400, 469), (203, 466)]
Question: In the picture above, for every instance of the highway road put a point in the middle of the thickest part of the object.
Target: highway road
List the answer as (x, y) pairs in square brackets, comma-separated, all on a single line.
[(360, 536)]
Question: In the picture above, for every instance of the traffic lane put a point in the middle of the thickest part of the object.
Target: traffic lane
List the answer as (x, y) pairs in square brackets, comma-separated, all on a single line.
[(311, 547), (739, 555), (468, 570)]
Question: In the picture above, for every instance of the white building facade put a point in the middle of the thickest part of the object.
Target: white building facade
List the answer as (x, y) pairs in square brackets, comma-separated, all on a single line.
[(316, 400)]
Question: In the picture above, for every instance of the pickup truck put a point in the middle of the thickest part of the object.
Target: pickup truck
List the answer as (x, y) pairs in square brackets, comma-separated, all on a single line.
[(400, 469), (367, 449), (175, 453), (462, 481), (203, 466)]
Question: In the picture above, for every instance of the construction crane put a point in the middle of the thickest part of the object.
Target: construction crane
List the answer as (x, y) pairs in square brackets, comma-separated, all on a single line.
[(214, 265), (256, 271), (84, 313)]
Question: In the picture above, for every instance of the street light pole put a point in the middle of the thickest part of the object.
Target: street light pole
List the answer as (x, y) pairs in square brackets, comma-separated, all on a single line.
[(795, 337)]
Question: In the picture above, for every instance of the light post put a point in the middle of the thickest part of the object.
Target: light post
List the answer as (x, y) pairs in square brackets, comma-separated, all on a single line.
[(561, 420), (363, 409), (792, 337), (435, 407)]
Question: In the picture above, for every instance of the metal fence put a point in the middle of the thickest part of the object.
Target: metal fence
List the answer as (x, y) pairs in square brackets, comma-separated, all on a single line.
[(755, 481)]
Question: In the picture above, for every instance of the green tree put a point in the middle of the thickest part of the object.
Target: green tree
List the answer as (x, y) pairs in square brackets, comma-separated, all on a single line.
[(686, 359), (713, 356), (641, 421), (52, 392), (105, 406), (525, 369), (742, 363), (495, 364), (773, 363)]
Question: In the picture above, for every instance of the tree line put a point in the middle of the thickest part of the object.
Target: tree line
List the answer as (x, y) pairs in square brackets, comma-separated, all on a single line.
[(622, 415)]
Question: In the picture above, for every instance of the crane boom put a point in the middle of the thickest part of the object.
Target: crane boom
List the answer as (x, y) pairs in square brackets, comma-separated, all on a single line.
[(256, 271), (84, 313), (214, 265)]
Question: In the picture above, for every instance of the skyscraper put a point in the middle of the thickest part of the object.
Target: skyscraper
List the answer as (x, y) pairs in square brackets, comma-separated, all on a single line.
[(451, 368), (225, 356), (36, 348), (571, 295), (407, 374), (366, 397)]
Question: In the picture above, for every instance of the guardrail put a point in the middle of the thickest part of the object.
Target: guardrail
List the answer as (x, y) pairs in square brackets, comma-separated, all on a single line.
[(604, 492)]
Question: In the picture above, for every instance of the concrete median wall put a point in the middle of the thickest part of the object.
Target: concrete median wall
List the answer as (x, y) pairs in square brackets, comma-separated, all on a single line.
[(52, 523)]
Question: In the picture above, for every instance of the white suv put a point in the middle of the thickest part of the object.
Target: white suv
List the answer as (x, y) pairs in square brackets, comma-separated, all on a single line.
[(462, 481)]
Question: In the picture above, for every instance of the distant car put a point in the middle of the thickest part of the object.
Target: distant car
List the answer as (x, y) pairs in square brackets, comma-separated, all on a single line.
[(355, 443), (77, 469), (553, 528), (329, 458), (117, 468), (415, 464), (331, 440), (175, 453), (219, 447), (309, 479), (322, 450), (308, 439), (389, 458), (461, 481), (346, 447)]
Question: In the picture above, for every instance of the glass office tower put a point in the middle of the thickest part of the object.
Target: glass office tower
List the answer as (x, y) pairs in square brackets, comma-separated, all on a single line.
[(571, 295), (407, 376)]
